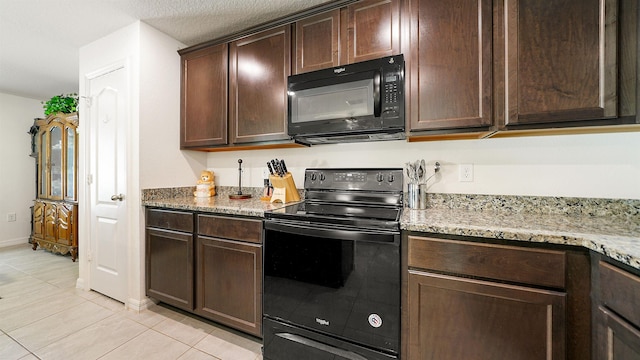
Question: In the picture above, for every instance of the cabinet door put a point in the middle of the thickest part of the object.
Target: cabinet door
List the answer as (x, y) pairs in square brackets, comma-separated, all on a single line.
[(459, 318), (229, 283), (169, 267), (318, 42), (51, 222), (70, 163), (560, 60), (43, 164), (66, 224), (259, 66), (38, 219), (203, 115), (616, 338), (450, 76), (373, 30), (56, 173)]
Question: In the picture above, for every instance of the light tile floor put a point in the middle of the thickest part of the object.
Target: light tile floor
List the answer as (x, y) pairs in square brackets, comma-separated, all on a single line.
[(43, 316)]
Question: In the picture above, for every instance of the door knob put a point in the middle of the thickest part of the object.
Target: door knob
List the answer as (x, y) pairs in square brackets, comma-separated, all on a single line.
[(117, 197)]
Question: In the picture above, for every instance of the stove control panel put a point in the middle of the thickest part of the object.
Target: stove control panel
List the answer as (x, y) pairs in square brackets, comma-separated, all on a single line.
[(354, 179)]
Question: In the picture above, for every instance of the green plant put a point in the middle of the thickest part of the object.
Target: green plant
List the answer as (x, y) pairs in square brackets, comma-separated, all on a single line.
[(61, 103)]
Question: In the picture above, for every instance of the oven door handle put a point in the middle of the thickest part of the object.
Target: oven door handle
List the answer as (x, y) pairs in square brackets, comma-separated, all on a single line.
[(317, 230), (320, 346)]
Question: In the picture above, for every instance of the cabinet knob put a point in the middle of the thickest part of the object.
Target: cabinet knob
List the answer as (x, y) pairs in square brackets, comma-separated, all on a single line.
[(119, 197)]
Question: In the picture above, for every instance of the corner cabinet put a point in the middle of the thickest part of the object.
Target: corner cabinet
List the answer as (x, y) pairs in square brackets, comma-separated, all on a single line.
[(500, 301), (55, 210), (616, 314)]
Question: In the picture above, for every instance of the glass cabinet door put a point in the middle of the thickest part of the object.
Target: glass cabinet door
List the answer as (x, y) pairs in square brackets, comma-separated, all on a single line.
[(55, 162), (70, 188), (43, 164)]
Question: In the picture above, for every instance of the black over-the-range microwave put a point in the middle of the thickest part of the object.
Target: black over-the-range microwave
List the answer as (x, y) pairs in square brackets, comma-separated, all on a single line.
[(351, 103)]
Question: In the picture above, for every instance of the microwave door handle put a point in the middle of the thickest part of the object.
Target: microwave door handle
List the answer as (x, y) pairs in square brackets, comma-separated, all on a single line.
[(377, 103)]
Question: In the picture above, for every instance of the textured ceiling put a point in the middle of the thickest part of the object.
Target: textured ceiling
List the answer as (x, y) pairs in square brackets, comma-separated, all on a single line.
[(40, 39)]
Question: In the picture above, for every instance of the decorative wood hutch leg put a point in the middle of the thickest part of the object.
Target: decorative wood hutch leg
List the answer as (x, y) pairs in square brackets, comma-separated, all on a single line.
[(74, 254), (35, 245)]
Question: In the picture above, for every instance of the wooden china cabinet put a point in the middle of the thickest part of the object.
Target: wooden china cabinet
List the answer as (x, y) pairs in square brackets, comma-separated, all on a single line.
[(55, 210)]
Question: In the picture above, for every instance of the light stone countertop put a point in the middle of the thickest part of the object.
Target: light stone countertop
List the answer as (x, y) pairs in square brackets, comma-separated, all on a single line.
[(218, 204), (609, 227), (615, 237)]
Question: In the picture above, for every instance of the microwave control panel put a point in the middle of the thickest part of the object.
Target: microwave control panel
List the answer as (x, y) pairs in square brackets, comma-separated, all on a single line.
[(392, 93)]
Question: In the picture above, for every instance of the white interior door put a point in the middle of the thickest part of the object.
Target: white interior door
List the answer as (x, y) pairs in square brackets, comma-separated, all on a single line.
[(108, 121)]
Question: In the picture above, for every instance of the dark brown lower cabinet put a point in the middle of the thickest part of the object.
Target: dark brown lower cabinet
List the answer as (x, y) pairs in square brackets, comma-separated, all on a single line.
[(618, 339), (458, 318), (617, 331), (169, 257), (468, 298), (229, 283), (206, 264)]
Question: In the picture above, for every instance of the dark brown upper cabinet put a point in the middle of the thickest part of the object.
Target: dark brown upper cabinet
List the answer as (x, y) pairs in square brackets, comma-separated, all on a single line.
[(258, 69), (366, 30), (559, 61), (373, 29), (449, 64), (317, 41), (203, 102)]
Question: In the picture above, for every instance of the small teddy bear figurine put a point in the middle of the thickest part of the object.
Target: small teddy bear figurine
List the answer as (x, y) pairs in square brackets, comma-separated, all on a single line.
[(205, 186)]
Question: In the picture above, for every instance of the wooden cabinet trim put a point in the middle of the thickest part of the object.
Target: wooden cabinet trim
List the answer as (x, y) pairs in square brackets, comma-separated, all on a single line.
[(540, 267)]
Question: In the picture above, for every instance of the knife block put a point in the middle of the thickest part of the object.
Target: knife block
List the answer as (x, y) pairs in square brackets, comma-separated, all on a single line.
[(284, 189)]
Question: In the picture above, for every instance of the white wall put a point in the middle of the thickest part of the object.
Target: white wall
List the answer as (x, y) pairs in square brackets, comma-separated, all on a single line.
[(154, 159), (162, 164), (591, 166), (17, 168)]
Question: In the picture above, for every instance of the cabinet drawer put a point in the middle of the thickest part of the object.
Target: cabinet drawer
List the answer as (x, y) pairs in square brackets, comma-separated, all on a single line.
[(169, 219), (500, 262), (620, 292), (230, 228)]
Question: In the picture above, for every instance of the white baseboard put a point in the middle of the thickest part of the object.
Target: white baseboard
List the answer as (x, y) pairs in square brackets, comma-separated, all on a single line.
[(139, 305), (13, 242)]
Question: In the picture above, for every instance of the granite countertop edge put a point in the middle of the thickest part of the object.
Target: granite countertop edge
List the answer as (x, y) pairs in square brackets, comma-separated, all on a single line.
[(616, 238)]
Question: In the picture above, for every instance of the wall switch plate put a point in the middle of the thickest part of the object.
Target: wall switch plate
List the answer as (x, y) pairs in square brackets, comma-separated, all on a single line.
[(465, 173), (11, 217)]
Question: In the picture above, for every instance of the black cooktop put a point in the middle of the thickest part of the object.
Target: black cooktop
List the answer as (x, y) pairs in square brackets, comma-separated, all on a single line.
[(357, 198)]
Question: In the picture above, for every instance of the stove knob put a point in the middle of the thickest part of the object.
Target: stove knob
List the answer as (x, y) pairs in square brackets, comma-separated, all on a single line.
[(322, 177), (313, 176), (380, 177), (391, 178)]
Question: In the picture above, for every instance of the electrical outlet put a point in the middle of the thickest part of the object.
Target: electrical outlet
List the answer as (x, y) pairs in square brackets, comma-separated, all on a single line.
[(11, 217), (465, 173)]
